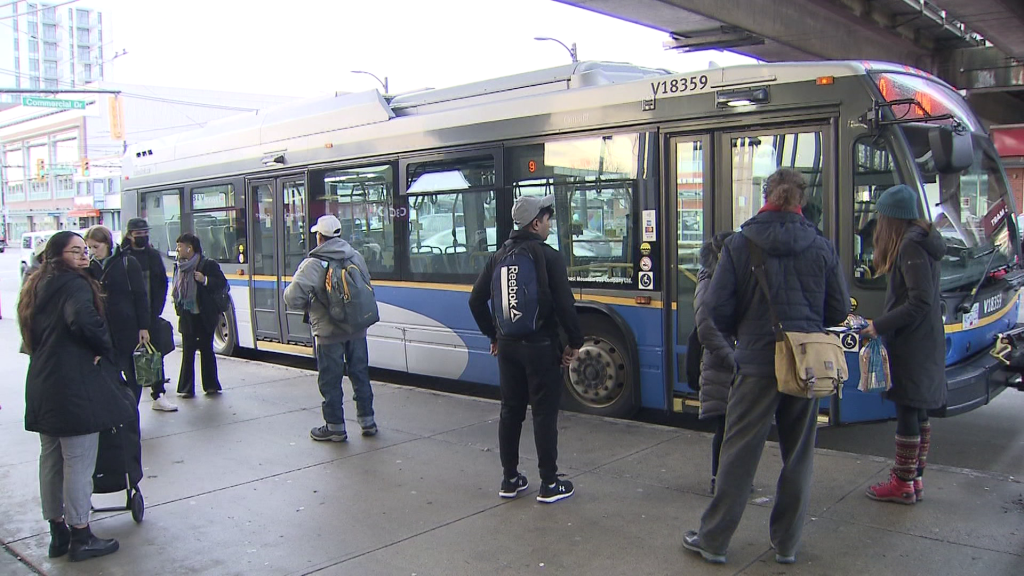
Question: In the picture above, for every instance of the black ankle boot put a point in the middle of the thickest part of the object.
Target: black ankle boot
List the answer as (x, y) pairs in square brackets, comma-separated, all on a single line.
[(85, 545), (60, 538)]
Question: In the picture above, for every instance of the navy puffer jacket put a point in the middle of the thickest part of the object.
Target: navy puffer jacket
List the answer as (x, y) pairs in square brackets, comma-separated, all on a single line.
[(805, 281), (717, 364)]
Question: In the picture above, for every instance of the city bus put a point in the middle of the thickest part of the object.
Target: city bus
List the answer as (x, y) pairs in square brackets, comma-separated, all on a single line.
[(645, 164)]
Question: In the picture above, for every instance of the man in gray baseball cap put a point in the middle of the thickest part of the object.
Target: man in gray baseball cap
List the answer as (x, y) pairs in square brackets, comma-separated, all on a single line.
[(527, 283), (527, 208)]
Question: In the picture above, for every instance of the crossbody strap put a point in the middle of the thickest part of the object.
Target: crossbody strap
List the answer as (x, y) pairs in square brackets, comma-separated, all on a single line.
[(757, 266)]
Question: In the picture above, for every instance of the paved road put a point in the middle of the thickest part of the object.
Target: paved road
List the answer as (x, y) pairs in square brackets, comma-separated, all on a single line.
[(990, 438)]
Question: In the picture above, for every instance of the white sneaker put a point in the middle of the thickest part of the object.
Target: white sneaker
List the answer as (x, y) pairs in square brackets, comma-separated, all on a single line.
[(164, 405)]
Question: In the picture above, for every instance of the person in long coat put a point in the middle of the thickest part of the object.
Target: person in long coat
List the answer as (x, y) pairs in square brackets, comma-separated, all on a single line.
[(909, 250), (196, 280), (68, 399), (717, 365), (127, 308)]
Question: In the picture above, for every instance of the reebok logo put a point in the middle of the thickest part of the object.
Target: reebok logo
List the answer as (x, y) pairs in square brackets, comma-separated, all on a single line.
[(509, 288)]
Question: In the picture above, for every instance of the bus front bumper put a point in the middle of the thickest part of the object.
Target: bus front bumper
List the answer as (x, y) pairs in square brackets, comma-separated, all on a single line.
[(975, 382)]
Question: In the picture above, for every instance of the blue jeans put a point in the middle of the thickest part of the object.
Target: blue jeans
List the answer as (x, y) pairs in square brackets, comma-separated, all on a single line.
[(333, 362)]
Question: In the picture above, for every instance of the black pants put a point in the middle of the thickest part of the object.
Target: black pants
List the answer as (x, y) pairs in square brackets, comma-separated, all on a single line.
[(909, 420), (530, 373), (195, 336)]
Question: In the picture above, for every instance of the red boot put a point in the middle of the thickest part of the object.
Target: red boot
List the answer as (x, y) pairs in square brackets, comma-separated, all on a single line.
[(918, 489), (894, 490)]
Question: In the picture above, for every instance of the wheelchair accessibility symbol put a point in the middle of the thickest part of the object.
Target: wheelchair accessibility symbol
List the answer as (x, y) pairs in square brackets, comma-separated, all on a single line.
[(850, 342), (647, 280)]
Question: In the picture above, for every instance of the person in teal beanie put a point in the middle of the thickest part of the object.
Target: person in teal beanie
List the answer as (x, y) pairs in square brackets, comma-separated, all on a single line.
[(909, 249)]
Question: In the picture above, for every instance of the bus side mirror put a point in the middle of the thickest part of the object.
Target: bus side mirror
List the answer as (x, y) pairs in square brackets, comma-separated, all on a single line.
[(952, 152)]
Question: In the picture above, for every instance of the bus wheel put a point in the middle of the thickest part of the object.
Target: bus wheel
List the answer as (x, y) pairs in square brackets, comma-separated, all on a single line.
[(225, 337), (601, 380)]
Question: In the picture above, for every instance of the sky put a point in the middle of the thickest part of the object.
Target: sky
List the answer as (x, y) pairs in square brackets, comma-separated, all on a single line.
[(306, 48)]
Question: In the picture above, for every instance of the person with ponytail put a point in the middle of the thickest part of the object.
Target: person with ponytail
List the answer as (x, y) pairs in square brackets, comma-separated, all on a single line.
[(909, 250), (68, 400)]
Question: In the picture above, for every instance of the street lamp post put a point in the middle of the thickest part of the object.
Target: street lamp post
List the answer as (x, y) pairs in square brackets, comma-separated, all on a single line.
[(572, 51), (383, 82)]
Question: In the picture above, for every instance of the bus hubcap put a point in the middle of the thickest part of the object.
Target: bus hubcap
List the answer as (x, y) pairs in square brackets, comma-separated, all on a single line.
[(596, 374), (222, 333)]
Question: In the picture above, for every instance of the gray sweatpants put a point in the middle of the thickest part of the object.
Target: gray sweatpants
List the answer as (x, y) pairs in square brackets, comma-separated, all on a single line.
[(753, 401), (66, 465)]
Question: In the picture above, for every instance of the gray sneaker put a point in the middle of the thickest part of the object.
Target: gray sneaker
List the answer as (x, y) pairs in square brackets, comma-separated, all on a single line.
[(325, 434), (368, 425)]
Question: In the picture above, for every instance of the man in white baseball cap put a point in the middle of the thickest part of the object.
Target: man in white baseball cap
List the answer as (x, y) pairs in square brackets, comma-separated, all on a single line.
[(337, 352)]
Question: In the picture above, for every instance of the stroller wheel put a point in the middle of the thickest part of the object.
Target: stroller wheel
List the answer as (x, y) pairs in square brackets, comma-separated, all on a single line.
[(138, 506)]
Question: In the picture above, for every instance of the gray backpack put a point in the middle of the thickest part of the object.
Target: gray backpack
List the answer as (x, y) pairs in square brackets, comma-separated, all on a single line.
[(351, 302)]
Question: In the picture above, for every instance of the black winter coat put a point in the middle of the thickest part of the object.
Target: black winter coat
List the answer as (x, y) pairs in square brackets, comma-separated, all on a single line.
[(153, 269), (66, 394), (806, 284), (718, 363), (911, 326), (127, 308), (209, 314)]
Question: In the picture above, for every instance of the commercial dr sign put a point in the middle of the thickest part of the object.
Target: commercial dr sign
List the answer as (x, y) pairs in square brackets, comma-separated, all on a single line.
[(52, 103)]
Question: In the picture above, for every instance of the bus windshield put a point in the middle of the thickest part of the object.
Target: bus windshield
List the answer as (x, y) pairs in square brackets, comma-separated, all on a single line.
[(971, 209)]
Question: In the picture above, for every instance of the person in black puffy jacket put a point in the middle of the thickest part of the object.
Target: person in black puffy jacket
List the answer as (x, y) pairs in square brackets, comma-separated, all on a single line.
[(717, 364), (69, 395), (808, 292), (127, 308)]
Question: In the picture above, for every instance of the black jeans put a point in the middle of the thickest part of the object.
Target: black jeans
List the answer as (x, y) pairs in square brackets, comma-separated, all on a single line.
[(195, 336), (530, 373)]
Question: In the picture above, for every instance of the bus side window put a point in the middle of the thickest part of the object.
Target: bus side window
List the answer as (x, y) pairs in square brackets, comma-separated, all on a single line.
[(874, 172), (363, 200)]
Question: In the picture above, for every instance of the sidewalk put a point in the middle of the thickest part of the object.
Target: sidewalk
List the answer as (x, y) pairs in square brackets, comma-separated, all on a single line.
[(234, 485)]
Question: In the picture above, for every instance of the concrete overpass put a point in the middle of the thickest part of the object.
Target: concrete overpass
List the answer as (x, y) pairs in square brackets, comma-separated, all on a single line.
[(977, 45)]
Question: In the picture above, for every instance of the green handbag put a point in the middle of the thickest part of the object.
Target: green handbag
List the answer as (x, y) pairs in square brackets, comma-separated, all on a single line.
[(148, 362)]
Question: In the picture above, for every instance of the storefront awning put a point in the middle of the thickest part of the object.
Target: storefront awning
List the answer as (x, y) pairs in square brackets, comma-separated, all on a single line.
[(84, 214)]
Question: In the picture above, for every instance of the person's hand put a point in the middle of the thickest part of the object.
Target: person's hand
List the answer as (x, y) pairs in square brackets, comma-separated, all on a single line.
[(143, 336), (200, 277), (568, 355), (494, 348), (96, 361), (869, 330)]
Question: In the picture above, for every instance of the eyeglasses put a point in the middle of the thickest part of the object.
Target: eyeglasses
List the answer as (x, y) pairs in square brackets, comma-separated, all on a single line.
[(78, 252)]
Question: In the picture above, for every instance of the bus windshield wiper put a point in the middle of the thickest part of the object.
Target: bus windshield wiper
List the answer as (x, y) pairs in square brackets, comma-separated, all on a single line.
[(972, 297)]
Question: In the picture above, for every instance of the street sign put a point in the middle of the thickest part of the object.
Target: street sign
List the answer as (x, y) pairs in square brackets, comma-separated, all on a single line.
[(59, 171), (53, 103)]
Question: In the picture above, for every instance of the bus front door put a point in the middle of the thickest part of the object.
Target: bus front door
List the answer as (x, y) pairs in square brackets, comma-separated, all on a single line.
[(280, 240), (688, 207)]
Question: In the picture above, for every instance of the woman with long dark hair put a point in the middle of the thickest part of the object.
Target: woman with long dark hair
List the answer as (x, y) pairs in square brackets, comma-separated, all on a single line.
[(196, 280), (909, 250), (67, 400), (127, 307)]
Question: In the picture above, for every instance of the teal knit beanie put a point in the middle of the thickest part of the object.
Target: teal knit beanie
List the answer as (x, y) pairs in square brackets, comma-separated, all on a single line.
[(899, 202)]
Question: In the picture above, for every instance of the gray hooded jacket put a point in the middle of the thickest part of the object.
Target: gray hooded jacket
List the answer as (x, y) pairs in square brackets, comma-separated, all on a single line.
[(307, 293)]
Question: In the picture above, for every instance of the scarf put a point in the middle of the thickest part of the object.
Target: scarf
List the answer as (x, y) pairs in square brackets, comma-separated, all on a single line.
[(184, 292), (769, 207)]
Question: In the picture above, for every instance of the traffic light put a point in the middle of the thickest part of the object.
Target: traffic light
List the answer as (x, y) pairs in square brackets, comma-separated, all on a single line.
[(85, 166), (40, 168)]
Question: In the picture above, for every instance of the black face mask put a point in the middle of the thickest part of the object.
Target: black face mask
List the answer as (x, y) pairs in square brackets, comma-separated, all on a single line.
[(140, 241)]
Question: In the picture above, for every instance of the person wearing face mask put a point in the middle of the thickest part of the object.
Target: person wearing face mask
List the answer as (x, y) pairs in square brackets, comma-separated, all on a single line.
[(196, 281), (127, 311), (136, 245)]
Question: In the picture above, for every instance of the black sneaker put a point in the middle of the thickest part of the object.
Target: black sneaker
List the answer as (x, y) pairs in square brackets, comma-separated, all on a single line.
[(510, 488), (325, 434), (560, 490)]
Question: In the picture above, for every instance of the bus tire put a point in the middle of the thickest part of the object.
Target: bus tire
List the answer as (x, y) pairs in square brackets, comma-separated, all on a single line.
[(225, 337), (602, 379)]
